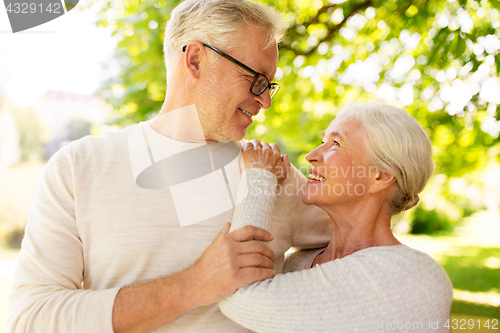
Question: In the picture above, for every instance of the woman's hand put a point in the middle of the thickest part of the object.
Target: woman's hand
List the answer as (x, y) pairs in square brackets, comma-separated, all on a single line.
[(265, 156)]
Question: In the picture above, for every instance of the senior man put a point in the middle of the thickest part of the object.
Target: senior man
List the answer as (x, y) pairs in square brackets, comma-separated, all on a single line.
[(107, 249)]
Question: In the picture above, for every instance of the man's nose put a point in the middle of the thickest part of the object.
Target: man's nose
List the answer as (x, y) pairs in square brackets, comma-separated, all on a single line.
[(264, 99)]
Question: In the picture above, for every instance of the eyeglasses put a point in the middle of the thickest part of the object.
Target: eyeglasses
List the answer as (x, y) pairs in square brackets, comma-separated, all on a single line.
[(260, 81)]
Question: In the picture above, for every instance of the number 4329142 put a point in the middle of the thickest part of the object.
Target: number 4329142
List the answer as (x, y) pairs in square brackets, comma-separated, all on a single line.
[(463, 324), (25, 8)]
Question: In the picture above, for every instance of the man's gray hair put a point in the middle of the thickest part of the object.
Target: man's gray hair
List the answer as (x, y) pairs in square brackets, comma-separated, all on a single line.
[(218, 22)]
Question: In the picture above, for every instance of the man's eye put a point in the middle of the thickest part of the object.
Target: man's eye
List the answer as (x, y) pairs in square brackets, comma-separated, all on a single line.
[(260, 81)]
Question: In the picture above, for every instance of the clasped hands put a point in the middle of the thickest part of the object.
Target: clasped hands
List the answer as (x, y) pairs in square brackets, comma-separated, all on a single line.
[(266, 156)]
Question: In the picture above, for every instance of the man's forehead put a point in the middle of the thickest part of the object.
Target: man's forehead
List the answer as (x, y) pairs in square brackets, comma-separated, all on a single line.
[(270, 76), (268, 60), (259, 64), (261, 54)]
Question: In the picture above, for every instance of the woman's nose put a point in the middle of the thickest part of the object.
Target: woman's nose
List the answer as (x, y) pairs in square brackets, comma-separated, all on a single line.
[(314, 156)]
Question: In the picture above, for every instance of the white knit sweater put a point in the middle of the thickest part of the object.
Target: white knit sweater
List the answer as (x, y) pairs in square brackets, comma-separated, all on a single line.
[(379, 288), (92, 230)]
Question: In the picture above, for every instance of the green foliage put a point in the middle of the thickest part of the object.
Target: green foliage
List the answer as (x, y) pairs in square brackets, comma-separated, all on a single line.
[(468, 266), (445, 202), (431, 57), (17, 188), (32, 134), (78, 128), (475, 309), (15, 237), (468, 270), (139, 90), (431, 221)]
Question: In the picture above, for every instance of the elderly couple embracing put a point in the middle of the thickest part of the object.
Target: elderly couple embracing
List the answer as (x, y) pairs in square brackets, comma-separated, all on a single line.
[(102, 254)]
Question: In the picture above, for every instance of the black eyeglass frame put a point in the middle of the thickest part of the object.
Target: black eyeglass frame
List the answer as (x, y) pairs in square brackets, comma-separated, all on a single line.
[(273, 87)]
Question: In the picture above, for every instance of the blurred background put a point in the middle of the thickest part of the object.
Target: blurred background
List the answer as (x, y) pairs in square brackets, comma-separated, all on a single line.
[(100, 68)]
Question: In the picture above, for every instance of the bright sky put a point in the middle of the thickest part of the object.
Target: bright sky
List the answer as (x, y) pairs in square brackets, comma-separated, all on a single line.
[(65, 54)]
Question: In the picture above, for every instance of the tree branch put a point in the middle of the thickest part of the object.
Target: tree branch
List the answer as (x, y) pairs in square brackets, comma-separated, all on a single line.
[(331, 31)]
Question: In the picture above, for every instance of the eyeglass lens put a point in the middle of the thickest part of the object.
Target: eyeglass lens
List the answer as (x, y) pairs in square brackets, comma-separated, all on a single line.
[(260, 84)]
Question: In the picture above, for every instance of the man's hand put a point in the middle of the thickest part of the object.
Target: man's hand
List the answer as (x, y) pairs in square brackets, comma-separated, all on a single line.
[(231, 261), (265, 156)]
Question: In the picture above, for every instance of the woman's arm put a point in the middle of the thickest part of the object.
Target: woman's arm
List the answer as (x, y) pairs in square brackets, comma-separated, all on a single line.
[(387, 285), (255, 199), (264, 169), (283, 303)]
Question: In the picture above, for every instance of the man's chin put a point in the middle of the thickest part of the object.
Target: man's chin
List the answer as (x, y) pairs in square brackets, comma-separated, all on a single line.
[(230, 137), (240, 137)]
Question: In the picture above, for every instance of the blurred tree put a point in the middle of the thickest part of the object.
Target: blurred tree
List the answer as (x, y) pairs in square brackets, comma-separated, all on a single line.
[(33, 133), (438, 58), (10, 152), (78, 128)]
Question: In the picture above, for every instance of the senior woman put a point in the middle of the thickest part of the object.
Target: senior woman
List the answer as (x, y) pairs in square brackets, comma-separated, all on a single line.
[(372, 164)]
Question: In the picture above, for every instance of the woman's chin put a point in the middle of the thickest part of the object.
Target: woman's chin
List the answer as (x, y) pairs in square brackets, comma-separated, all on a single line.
[(308, 199)]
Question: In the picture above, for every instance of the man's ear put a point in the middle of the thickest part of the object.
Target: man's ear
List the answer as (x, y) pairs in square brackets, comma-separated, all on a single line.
[(193, 54), (381, 181)]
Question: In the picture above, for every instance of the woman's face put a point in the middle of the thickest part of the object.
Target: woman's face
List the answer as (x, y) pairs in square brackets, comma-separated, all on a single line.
[(339, 171)]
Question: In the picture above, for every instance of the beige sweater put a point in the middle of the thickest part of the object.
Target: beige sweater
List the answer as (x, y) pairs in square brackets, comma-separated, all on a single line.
[(92, 230), (392, 288)]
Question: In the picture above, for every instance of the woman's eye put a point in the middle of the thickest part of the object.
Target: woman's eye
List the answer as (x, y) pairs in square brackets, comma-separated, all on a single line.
[(334, 143)]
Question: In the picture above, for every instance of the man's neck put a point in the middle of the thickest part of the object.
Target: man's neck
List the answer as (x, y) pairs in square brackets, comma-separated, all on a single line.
[(180, 123)]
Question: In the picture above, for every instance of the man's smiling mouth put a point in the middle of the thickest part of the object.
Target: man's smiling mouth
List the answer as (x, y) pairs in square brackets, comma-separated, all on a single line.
[(246, 112)]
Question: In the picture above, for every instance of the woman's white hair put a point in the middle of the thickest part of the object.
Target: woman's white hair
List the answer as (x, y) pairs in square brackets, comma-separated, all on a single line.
[(218, 22), (397, 144)]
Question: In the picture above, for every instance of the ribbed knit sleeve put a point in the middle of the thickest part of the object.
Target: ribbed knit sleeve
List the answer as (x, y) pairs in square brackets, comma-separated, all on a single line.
[(47, 293), (255, 199), (394, 287)]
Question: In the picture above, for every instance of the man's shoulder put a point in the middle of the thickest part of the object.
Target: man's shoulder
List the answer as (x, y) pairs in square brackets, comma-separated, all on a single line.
[(92, 150), (110, 142), (104, 140)]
